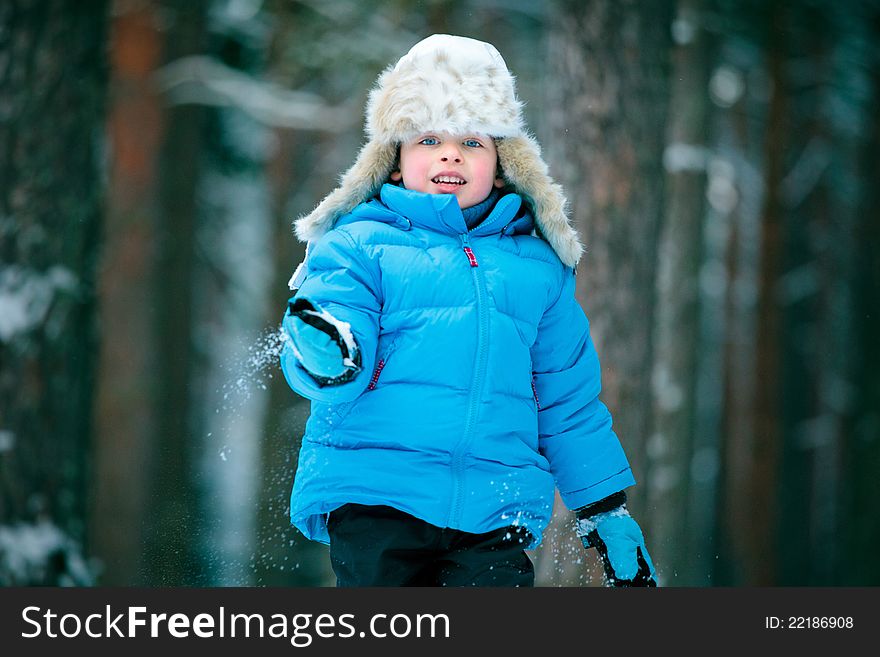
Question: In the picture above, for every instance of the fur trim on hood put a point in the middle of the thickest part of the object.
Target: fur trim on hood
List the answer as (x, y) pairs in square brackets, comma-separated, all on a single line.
[(457, 85)]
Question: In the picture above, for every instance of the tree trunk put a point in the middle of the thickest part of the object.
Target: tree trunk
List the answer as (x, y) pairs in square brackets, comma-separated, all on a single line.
[(125, 420), (754, 456), (858, 564), (607, 115), (171, 549), (678, 494), (53, 85)]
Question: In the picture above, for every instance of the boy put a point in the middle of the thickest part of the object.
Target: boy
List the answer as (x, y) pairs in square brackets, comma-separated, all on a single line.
[(435, 330)]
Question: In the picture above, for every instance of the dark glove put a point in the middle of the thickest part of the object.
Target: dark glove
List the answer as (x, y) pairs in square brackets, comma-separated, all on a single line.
[(607, 526), (324, 346)]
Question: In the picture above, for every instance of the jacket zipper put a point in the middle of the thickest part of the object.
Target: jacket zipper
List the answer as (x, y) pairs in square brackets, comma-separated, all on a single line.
[(380, 365), (376, 372), (461, 448), (470, 255)]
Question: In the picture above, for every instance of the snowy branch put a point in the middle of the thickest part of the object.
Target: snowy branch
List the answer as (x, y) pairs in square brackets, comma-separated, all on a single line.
[(202, 80), (41, 554), (27, 295)]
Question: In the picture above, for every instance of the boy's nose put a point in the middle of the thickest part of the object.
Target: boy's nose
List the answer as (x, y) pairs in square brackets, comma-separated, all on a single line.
[(450, 152)]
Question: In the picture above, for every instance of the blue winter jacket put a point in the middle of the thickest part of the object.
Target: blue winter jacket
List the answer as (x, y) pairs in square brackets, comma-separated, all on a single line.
[(480, 383)]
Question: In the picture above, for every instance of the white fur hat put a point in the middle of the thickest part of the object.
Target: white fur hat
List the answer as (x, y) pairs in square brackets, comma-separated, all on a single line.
[(457, 85)]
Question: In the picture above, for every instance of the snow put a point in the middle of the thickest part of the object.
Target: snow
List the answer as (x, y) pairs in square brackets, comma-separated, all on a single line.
[(726, 86), (29, 553), (7, 440), (683, 31), (586, 525), (664, 478), (344, 329), (679, 156), (667, 392), (239, 11), (26, 296), (656, 446), (203, 80), (721, 191)]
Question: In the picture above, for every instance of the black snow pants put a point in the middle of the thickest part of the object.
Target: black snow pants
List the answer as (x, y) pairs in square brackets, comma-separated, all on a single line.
[(382, 546)]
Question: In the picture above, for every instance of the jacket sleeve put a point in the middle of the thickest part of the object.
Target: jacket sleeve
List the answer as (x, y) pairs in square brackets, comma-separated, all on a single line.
[(574, 426), (342, 281)]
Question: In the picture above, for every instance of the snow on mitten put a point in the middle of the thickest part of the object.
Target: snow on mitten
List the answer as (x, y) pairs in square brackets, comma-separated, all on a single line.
[(323, 345), (607, 526)]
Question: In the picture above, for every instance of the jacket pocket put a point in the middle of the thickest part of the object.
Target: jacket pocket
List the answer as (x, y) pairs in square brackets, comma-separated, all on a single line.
[(342, 410), (533, 386), (381, 362)]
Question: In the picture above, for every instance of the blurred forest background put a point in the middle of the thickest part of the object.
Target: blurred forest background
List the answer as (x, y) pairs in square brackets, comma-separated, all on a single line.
[(721, 159)]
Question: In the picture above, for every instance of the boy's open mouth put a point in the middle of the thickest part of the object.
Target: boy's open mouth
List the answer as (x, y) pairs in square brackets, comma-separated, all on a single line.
[(448, 180)]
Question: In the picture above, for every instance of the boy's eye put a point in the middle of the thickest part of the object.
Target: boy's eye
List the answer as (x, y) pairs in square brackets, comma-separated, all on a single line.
[(429, 141), (472, 143)]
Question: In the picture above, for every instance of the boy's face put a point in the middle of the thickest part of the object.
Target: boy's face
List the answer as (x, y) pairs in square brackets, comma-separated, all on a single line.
[(440, 163)]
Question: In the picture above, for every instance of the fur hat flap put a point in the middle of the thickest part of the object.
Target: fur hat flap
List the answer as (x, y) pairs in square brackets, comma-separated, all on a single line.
[(361, 182), (525, 171)]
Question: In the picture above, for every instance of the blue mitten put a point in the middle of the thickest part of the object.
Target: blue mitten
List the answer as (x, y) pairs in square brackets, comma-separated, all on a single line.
[(607, 526), (323, 345)]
